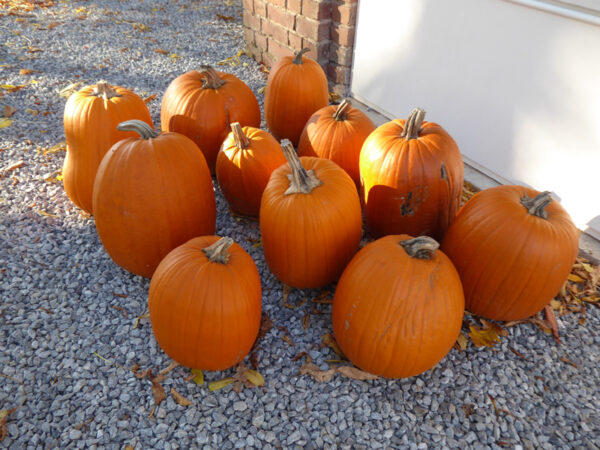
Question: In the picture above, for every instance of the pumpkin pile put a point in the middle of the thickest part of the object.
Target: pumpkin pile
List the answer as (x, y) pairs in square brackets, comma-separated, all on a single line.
[(399, 301)]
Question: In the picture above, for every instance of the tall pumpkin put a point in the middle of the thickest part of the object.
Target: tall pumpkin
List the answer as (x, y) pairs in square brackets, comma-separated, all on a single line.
[(310, 220), (513, 247), (244, 164), (90, 121), (398, 306), (202, 105), (296, 88), (151, 194), (337, 133), (411, 177), (205, 303)]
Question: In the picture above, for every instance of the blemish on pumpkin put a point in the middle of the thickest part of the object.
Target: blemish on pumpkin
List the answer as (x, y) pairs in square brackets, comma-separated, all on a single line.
[(444, 173), (412, 200), (347, 325), (405, 207)]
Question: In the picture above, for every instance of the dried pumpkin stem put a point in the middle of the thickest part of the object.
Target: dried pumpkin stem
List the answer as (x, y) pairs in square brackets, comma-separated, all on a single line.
[(412, 127), (422, 247), (341, 113), (241, 140), (140, 127), (219, 251), (298, 56), (302, 181), (212, 79), (104, 90), (537, 205)]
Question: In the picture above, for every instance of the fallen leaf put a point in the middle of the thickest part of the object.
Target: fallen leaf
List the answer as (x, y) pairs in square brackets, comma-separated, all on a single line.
[(575, 278), (551, 318), (486, 336), (330, 342), (356, 374), (45, 213), (255, 377), (287, 339), (3, 416), (306, 321), (314, 371), (568, 361), (261, 90), (216, 385), (180, 399), (265, 326), (9, 111), (5, 122), (11, 167), (120, 308), (70, 89), (26, 71), (161, 51), (520, 355), (226, 18), (137, 320), (461, 341), (198, 376), (169, 368)]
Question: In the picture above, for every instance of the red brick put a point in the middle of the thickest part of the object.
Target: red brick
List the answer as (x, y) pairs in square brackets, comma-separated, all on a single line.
[(294, 41), (340, 55), (260, 8), (274, 30), (281, 16), (294, 6), (338, 74), (342, 35), (248, 5), (277, 3), (317, 10), (312, 29), (277, 49), (319, 51), (251, 21), (249, 35), (344, 13), (261, 41)]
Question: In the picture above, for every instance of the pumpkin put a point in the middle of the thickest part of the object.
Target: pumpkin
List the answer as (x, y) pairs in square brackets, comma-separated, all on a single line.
[(411, 178), (398, 306), (310, 220), (202, 105), (205, 303), (244, 164), (90, 121), (514, 248), (151, 194), (337, 133), (296, 88)]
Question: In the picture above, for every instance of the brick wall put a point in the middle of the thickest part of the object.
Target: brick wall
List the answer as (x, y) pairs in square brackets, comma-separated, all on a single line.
[(275, 28)]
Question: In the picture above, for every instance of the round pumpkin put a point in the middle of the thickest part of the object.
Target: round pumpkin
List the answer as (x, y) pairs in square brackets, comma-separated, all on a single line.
[(411, 178), (202, 105), (398, 306), (151, 194), (310, 220), (513, 247), (244, 164), (205, 303), (337, 133), (296, 88), (90, 121)]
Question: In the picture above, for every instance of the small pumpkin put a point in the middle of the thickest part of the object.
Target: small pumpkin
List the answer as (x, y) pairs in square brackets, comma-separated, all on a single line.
[(151, 194), (205, 303), (90, 122), (411, 178), (296, 88), (337, 133), (514, 248), (310, 220), (244, 164), (202, 105), (398, 306)]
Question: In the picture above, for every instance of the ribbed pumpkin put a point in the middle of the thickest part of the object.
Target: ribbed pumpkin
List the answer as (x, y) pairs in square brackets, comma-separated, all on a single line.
[(151, 194), (90, 121), (205, 303), (337, 133), (202, 105), (296, 88), (411, 175), (310, 220), (513, 247), (244, 165), (398, 306)]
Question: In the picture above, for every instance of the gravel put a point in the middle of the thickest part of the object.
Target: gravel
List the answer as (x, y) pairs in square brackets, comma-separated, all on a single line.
[(68, 334)]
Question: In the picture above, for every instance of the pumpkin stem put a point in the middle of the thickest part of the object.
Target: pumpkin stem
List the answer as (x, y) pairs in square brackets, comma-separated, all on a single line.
[(537, 205), (140, 127), (104, 90), (301, 180), (241, 140), (298, 56), (219, 251), (422, 247), (341, 113), (412, 127), (211, 80)]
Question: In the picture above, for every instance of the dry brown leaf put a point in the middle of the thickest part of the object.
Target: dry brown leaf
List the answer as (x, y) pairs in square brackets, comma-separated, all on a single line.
[(306, 321), (486, 336), (9, 111), (3, 416), (158, 392), (180, 399), (520, 355), (356, 374), (137, 320), (265, 326), (226, 18), (461, 342), (324, 298), (568, 361), (169, 368), (551, 319), (300, 355), (26, 71), (287, 339), (120, 308), (318, 374), (149, 98), (329, 341), (161, 51)]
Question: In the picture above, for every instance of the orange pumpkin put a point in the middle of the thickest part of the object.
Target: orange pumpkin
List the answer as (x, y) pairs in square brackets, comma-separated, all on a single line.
[(205, 303), (296, 88), (411, 178), (244, 165), (398, 306), (310, 220), (90, 121), (151, 194), (337, 133), (513, 247), (202, 105)]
